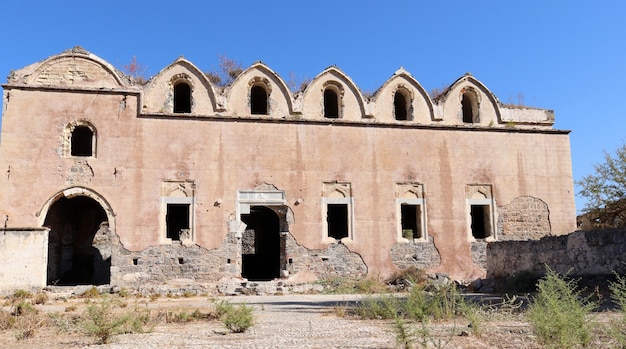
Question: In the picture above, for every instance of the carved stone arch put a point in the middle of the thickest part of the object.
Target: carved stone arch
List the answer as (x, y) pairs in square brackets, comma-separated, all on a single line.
[(335, 189), (181, 77), (420, 101), (68, 131), (75, 191), (263, 81)]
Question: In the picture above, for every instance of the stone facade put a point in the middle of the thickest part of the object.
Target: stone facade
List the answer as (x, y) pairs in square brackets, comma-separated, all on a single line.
[(181, 179)]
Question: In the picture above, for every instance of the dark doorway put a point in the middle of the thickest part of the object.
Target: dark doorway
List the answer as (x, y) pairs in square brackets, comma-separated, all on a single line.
[(331, 104), (337, 219), (72, 257), (177, 219), (261, 245), (481, 229)]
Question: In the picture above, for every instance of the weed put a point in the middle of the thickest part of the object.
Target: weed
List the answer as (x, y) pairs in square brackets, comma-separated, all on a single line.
[(617, 328), (237, 319), (92, 293), (22, 294), (558, 313), (70, 308), (102, 323), (41, 298)]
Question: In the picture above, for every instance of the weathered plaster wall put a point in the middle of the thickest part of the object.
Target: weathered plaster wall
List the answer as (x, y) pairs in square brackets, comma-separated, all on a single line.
[(140, 144), (24, 256)]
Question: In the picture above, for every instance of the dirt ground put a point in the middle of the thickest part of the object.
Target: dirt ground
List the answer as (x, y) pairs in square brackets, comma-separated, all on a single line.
[(291, 321)]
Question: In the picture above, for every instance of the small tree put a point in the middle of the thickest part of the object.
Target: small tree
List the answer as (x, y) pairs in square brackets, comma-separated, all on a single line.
[(228, 70), (136, 70), (605, 190)]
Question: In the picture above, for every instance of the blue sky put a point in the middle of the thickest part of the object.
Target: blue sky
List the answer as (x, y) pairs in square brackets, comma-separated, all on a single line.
[(568, 56)]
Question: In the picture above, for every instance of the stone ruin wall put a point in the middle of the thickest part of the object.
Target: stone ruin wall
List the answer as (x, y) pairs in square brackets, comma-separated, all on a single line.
[(598, 252)]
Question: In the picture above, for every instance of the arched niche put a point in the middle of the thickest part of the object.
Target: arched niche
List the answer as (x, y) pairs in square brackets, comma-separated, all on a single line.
[(351, 104), (259, 76), (159, 93), (468, 102), (419, 106)]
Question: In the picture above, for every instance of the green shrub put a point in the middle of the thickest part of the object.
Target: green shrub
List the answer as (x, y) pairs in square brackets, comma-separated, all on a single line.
[(558, 313), (381, 307), (237, 319), (617, 328), (101, 322)]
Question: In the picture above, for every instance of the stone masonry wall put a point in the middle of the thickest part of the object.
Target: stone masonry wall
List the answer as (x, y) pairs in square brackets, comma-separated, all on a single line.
[(579, 253), (422, 255), (525, 218), (334, 261)]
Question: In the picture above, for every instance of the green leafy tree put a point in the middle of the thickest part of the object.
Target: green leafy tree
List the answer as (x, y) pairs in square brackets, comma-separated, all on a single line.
[(605, 189)]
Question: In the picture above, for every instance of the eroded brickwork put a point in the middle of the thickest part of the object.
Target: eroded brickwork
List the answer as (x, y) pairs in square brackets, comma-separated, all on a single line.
[(525, 218), (334, 261), (421, 254)]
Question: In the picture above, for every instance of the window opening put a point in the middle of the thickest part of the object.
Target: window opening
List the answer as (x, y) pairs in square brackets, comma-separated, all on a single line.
[(337, 218), (82, 141), (400, 107), (177, 220), (411, 221), (331, 104), (470, 109), (481, 216), (182, 98), (258, 100)]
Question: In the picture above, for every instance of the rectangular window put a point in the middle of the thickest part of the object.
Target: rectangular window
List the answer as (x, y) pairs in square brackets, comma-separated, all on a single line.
[(480, 208), (481, 218), (337, 220), (177, 221), (337, 212), (411, 221)]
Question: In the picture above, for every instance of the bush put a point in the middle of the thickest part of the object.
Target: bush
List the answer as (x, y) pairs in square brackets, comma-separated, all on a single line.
[(236, 319), (617, 328), (558, 313), (101, 322)]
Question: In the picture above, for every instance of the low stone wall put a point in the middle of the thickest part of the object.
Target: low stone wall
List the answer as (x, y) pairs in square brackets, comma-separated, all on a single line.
[(596, 252), (24, 256)]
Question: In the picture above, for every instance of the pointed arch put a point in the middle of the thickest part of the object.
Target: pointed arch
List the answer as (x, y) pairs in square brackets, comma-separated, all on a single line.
[(420, 106), (259, 76), (351, 103), (160, 93), (481, 104)]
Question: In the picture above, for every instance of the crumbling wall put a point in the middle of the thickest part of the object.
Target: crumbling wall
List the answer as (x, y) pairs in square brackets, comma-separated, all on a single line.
[(579, 253), (334, 261), (422, 254), (525, 218), (162, 263), (24, 256)]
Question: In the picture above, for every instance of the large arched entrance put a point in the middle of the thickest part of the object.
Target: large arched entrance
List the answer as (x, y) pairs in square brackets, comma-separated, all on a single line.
[(260, 244), (73, 257)]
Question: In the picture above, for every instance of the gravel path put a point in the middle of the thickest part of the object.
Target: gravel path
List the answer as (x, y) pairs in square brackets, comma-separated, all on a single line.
[(299, 321)]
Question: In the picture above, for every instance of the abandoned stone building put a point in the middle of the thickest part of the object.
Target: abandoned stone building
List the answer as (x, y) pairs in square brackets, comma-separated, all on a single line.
[(107, 180)]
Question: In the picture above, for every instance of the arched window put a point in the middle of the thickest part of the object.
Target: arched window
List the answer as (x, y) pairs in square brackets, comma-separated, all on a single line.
[(81, 141), (401, 106), (182, 98), (469, 105), (258, 100), (331, 104)]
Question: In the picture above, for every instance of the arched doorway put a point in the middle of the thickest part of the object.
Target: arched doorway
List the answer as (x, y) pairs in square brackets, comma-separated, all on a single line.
[(260, 244), (74, 256)]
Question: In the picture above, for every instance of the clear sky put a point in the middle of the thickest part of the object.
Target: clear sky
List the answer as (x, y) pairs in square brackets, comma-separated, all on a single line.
[(569, 56)]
